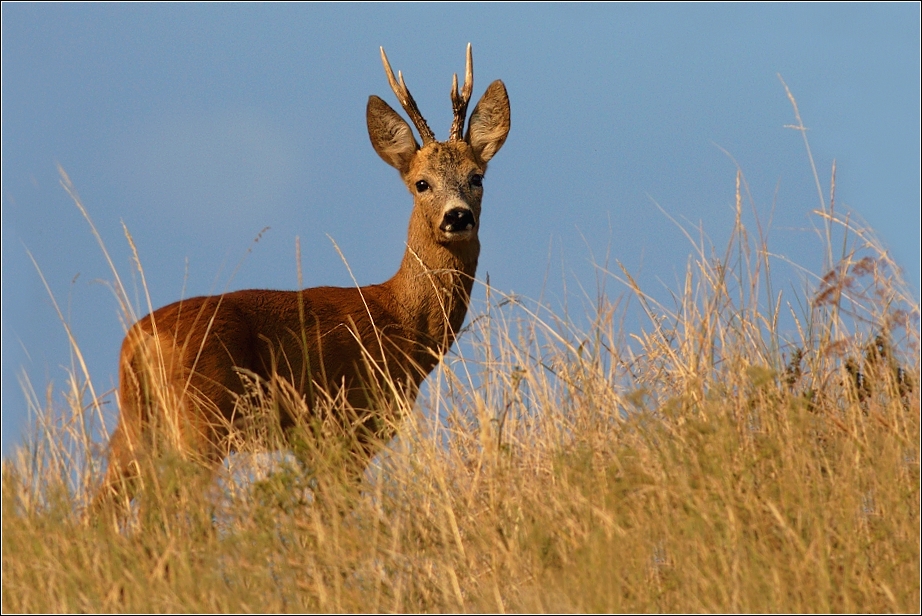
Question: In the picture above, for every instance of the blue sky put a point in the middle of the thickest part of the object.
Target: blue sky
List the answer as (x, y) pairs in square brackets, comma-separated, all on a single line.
[(198, 125)]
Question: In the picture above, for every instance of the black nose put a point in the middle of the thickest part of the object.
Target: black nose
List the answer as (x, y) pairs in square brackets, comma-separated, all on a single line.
[(457, 220)]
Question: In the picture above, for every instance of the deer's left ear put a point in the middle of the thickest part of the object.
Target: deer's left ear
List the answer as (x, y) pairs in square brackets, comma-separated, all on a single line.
[(390, 135), (489, 123)]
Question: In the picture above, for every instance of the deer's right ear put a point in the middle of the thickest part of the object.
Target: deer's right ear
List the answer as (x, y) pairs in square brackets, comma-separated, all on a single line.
[(390, 135)]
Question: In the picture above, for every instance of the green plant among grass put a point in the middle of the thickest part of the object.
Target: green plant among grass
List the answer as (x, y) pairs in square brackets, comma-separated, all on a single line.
[(712, 461)]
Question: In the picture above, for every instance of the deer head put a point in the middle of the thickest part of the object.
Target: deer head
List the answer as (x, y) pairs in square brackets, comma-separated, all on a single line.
[(444, 177)]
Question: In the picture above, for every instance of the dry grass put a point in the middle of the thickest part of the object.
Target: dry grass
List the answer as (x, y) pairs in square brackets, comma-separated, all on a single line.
[(714, 461)]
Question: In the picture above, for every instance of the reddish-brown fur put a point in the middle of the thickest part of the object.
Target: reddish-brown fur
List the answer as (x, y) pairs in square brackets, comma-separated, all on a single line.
[(181, 367)]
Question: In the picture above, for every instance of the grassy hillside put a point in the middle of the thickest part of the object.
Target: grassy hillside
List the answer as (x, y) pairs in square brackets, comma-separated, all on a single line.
[(712, 460)]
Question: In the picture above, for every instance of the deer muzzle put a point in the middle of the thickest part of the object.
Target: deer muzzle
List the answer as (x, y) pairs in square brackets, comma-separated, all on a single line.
[(458, 223)]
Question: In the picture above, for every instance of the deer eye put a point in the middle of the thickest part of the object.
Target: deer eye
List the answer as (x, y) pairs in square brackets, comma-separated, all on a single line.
[(422, 186), (477, 180)]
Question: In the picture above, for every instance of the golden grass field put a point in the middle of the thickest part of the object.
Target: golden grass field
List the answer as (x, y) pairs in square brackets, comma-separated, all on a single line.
[(712, 460)]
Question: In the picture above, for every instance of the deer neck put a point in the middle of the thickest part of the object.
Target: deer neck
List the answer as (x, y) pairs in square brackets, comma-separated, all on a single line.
[(433, 288)]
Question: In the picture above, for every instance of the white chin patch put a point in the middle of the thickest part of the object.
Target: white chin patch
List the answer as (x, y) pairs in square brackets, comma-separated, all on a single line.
[(457, 236)]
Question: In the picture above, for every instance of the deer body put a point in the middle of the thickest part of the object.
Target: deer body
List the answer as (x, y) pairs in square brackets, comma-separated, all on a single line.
[(182, 364)]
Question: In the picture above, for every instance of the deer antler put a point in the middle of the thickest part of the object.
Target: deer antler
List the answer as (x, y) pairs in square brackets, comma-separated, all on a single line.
[(406, 99), (459, 101)]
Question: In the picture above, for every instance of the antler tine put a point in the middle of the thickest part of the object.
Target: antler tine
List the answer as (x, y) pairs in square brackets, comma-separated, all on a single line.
[(459, 101), (406, 100)]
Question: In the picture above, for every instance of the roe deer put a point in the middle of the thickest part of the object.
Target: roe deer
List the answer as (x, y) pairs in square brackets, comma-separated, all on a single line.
[(181, 365)]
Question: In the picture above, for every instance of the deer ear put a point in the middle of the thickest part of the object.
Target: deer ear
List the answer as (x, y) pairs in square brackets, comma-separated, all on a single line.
[(390, 135), (489, 124)]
